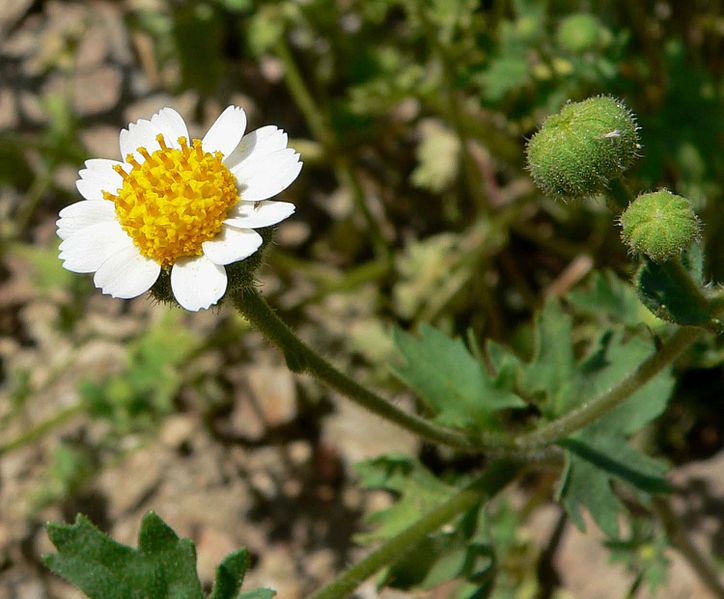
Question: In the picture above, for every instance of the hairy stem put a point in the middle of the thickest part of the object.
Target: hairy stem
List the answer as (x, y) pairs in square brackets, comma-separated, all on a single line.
[(496, 477), (301, 358)]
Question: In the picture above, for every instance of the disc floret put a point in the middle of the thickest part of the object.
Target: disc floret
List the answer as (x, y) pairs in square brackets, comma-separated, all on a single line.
[(173, 201)]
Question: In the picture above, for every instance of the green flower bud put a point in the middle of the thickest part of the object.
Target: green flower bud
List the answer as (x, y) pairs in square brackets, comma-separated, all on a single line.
[(577, 151), (659, 225), (580, 32)]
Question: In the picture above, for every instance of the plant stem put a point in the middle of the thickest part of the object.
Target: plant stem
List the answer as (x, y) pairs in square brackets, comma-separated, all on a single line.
[(619, 192), (39, 430), (302, 358), (496, 477), (320, 128), (680, 540), (598, 406)]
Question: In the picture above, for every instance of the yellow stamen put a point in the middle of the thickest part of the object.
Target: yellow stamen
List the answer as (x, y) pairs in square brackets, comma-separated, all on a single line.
[(175, 200)]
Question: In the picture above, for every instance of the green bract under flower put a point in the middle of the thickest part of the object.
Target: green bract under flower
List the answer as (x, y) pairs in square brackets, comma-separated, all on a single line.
[(659, 225), (577, 151)]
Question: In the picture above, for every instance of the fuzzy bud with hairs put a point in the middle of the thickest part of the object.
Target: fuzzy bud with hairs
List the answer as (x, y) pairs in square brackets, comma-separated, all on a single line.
[(580, 149)]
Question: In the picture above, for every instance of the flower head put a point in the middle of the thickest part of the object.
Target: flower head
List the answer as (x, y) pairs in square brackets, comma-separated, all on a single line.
[(186, 206)]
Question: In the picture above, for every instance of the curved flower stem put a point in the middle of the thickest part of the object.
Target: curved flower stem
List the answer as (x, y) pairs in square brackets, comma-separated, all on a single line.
[(496, 477), (301, 358), (593, 409)]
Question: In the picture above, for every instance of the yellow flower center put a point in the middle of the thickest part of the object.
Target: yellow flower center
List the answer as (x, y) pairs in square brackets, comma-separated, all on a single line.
[(175, 200)]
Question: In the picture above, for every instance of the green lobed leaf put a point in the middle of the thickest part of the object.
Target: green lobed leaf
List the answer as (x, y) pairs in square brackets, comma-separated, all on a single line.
[(600, 454), (593, 463), (551, 374), (419, 490), (613, 358), (459, 551), (560, 381), (451, 383), (663, 296), (608, 295), (163, 566), (583, 485)]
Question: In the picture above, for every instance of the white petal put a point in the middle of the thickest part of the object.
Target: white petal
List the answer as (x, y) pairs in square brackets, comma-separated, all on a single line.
[(93, 182), (83, 214), (232, 245), (253, 215), (226, 133), (127, 274), (172, 125), (266, 179), (90, 247), (197, 282), (257, 144), (105, 165), (141, 134)]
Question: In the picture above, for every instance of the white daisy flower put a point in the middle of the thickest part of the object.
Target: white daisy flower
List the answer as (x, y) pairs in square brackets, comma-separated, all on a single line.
[(188, 206)]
